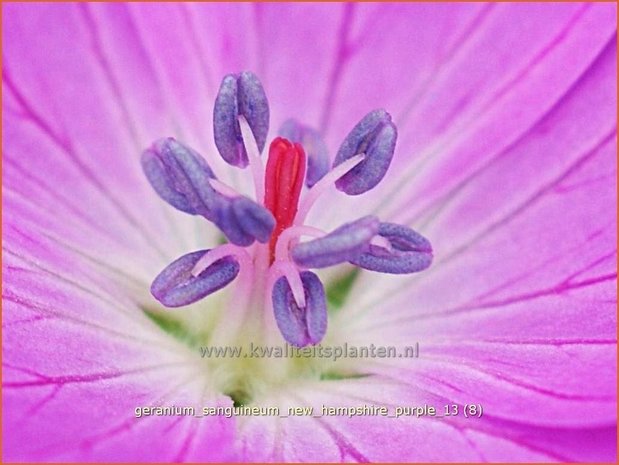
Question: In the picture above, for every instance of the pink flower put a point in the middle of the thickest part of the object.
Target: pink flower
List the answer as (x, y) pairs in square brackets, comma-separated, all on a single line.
[(505, 160)]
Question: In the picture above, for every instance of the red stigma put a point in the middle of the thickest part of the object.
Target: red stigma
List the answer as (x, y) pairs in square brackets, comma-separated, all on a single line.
[(285, 173)]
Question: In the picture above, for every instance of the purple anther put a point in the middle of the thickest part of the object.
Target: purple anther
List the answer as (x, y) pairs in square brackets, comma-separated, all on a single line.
[(176, 286), (180, 176), (239, 95), (375, 136), (253, 218), (410, 251), (341, 245), (314, 146), (301, 326), (243, 221)]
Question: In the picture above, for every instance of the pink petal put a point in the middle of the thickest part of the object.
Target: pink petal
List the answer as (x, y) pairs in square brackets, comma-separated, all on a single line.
[(506, 162), (78, 361), (519, 310)]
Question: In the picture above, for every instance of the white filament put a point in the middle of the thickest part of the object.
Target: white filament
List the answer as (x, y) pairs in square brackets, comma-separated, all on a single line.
[(223, 188), (287, 269), (291, 234), (218, 253), (325, 183), (253, 155)]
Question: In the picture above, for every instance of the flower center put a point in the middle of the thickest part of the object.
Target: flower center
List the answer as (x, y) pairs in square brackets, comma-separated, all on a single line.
[(277, 297), (284, 176)]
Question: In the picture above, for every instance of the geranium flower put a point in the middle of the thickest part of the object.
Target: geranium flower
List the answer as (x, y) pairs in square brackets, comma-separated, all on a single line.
[(505, 160), (183, 178)]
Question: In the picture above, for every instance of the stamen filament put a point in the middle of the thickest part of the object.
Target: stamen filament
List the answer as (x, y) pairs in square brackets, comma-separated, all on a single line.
[(326, 182), (253, 155), (294, 232), (287, 269), (223, 188), (383, 242), (220, 252)]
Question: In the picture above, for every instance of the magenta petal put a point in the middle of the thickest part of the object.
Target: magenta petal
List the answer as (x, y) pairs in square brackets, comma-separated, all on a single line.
[(519, 311), (506, 160), (78, 361)]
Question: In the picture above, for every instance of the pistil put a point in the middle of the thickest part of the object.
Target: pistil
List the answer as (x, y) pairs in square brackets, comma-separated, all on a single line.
[(285, 173)]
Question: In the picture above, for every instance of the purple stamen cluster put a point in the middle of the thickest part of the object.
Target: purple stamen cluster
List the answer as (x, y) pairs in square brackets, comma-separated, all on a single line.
[(183, 179)]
